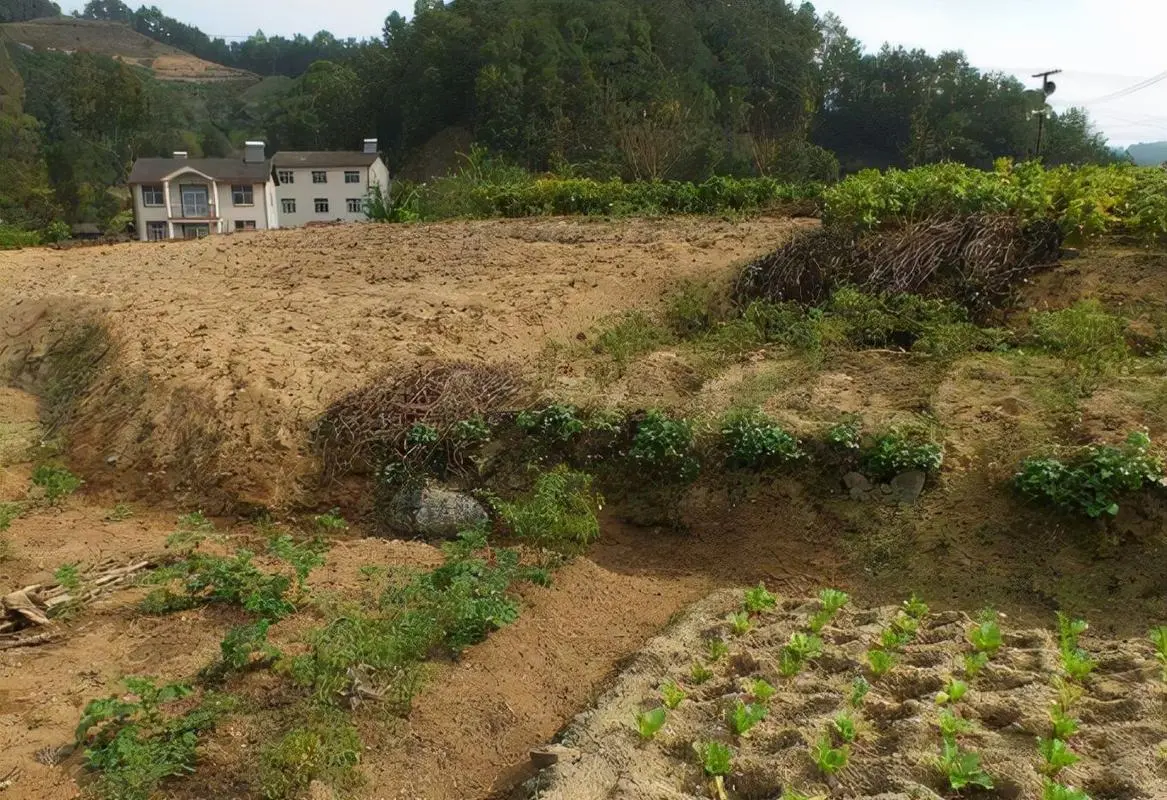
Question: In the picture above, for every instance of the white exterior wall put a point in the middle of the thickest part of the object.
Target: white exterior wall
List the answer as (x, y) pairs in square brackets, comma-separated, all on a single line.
[(305, 193), (263, 211)]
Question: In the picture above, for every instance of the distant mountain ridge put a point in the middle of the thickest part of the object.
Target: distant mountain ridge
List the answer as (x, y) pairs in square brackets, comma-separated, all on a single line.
[(1148, 154)]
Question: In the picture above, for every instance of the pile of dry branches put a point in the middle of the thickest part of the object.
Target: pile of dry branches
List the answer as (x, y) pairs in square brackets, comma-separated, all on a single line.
[(976, 260), (361, 429)]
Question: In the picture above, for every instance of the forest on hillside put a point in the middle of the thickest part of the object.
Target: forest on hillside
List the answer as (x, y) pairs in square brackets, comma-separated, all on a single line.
[(635, 89)]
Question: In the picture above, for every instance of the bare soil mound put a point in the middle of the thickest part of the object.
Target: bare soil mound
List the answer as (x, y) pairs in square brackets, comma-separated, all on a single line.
[(216, 356), (898, 742)]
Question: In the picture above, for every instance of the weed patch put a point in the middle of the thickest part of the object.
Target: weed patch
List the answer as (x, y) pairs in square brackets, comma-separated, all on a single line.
[(900, 451), (626, 336), (1090, 341), (560, 513), (56, 481), (328, 748), (754, 441)]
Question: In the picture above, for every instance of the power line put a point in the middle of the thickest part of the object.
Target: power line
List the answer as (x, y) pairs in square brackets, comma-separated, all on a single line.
[(1138, 87)]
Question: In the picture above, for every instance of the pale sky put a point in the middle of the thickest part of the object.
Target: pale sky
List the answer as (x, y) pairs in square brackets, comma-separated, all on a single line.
[(1102, 45)]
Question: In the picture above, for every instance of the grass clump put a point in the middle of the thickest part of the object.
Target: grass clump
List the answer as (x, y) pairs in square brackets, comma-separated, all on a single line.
[(57, 482), (690, 311), (754, 441), (1093, 480), (902, 451), (663, 447), (625, 336), (1090, 341), (328, 748), (560, 513)]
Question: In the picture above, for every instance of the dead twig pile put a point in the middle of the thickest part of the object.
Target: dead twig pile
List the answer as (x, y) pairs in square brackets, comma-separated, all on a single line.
[(34, 606), (360, 431), (977, 260)]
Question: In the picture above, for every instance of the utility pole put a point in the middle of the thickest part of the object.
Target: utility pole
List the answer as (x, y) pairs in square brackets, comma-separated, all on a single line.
[(1048, 87)]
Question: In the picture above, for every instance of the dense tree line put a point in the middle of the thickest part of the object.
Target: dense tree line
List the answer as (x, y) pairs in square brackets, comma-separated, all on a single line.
[(639, 89)]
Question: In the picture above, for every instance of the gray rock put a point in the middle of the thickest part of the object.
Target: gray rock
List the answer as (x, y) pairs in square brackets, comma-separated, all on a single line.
[(434, 512), (907, 486), (857, 485)]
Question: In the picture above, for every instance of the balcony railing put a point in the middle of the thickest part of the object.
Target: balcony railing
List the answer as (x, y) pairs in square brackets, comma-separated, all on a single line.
[(190, 210)]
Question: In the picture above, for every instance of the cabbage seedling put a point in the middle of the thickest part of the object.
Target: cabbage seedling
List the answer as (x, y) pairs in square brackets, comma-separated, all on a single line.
[(699, 673), (829, 759), (1056, 756), (717, 761), (915, 608), (1158, 638), (880, 661), (859, 689), (962, 768), (1077, 664), (985, 636), (974, 662), (1056, 791), (805, 646), (952, 692), (818, 620), (649, 722), (845, 726), (1068, 693), (762, 691), (1064, 726), (671, 694), (744, 716), (833, 600), (739, 623), (892, 639), (716, 648), (757, 600), (1069, 630), (789, 664), (951, 725)]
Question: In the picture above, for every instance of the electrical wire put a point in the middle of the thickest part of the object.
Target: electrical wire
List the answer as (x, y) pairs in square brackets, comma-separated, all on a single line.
[(1138, 87)]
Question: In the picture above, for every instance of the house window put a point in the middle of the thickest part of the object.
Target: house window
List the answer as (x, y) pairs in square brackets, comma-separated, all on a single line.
[(321, 205), (285, 176), (289, 205), (190, 231), (155, 231), (152, 195), (244, 224), (355, 204), (319, 176), (242, 196), (352, 176)]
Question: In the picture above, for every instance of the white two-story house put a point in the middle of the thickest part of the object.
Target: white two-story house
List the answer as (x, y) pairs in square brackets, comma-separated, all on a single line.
[(187, 198)]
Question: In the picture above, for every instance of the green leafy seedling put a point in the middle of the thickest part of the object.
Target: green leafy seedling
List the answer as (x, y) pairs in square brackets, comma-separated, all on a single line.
[(880, 661), (761, 690), (789, 664), (717, 761), (963, 768), (952, 725), (744, 716), (844, 725), (893, 639), (830, 760), (1056, 791), (974, 662), (818, 620), (915, 608), (985, 635), (953, 691), (1064, 726), (1069, 631), (1158, 638), (651, 721), (1068, 693), (1056, 756), (699, 673), (671, 694), (716, 649), (1077, 664), (859, 689), (805, 646), (833, 600), (757, 599), (739, 623)]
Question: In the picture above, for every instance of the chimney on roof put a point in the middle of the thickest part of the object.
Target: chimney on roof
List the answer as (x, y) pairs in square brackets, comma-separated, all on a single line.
[(253, 152), (370, 146), (180, 154)]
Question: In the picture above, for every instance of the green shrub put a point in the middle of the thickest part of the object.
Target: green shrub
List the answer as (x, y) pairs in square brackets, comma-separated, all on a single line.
[(555, 423), (846, 435), (230, 581), (1094, 479), (1091, 341), (559, 514), (302, 557), (755, 441), (9, 512), (663, 446), (56, 231), (56, 481), (244, 641), (900, 451), (12, 238), (327, 749), (331, 522)]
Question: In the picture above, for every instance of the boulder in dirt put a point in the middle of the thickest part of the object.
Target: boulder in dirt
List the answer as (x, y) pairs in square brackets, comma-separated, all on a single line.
[(907, 486), (857, 485), (434, 512)]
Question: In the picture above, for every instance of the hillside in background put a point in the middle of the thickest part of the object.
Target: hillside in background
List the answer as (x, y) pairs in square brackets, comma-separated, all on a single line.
[(1148, 154), (117, 41)]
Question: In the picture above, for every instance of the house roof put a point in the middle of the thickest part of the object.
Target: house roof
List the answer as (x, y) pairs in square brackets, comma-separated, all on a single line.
[(323, 158), (153, 170)]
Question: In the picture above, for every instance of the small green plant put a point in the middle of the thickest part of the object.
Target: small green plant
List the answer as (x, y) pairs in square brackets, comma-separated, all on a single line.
[(671, 694), (754, 441), (247, 646), (689, 311), (845, 435), (893, 639), (761, 690), (303, 557), (326, 748), (192, 529), (1056, 756), (830, 760), (880, 661), (56, 481), (626, 336), (230, 581), (794, 654), (1069, 631), (1068, 694), (859, 689), (699, 673), (120, 512), (1063, 726), (985, 635), (330, 522), (902, 451), (739, 623), (962, 767), (974, 662), (844, 725), (757, 599), (559, 514), (1091, 341), (716, 649), (915, 608), (952, 692), (469, 432), (556, 423), (648, 723), (1158, 637), (421, 436), (833, 600), (1056, 791), (663, 447), (1077, 664), (744, 716), (952, 725), (69, 577), (9, 512), (717, 761)]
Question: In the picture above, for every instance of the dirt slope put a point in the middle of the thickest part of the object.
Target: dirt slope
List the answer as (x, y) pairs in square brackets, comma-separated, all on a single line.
[(226, 349)]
